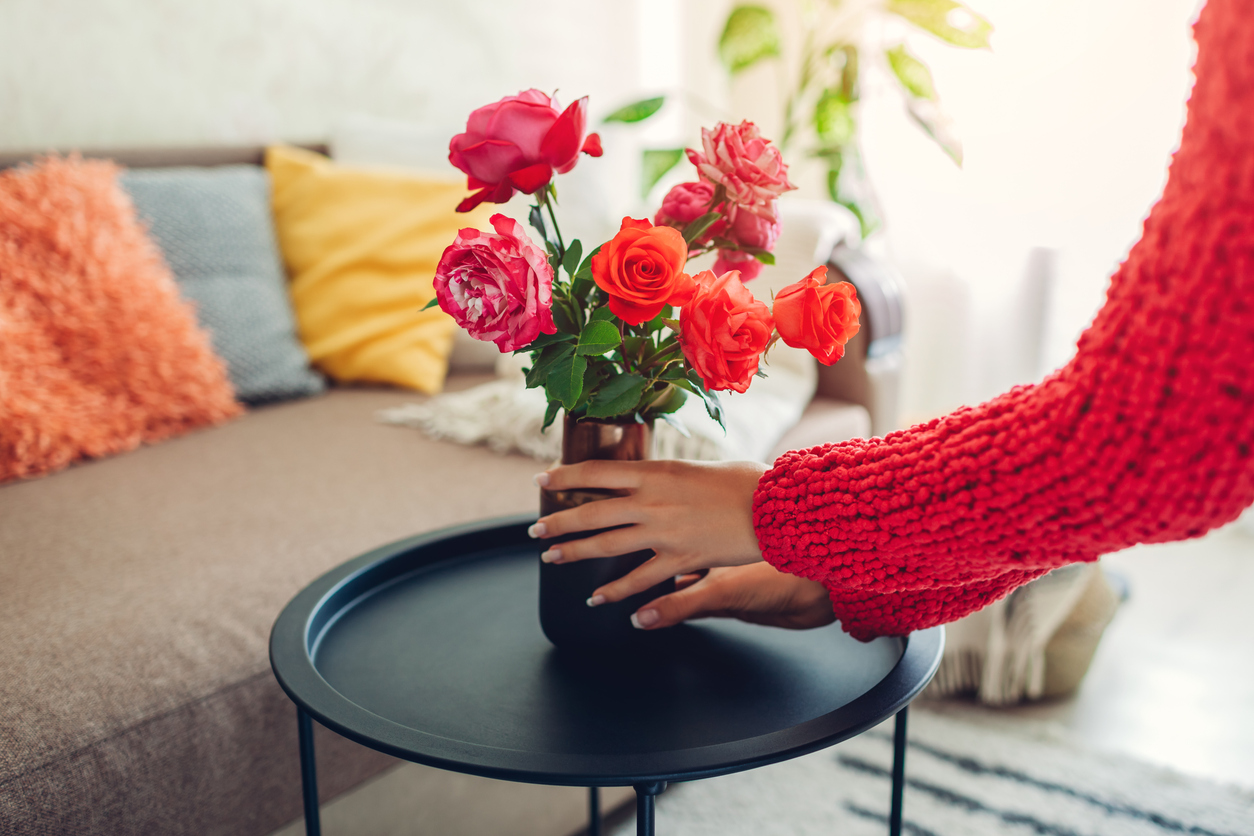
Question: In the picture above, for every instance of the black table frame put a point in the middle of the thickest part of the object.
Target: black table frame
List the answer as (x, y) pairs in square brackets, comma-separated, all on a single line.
[(890, 697)]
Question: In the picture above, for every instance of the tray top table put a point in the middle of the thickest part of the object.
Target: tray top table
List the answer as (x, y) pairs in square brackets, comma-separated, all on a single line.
[(430, 649)]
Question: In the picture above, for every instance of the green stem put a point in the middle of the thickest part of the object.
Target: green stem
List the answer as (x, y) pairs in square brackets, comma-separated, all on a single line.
[(544, 201)]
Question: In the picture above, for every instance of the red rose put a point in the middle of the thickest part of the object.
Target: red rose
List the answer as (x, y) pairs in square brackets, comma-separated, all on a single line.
[(723, 331), (818, 317), (499, 287), (515, 145), (642, 270)]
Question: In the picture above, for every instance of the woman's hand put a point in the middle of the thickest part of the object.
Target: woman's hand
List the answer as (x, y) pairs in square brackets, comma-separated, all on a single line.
[(693, 515), (759, 594)]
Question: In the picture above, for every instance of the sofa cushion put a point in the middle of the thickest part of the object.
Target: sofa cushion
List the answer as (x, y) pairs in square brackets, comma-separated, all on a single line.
[(137, 596), (361, 246), (98, 353), (214, 228)]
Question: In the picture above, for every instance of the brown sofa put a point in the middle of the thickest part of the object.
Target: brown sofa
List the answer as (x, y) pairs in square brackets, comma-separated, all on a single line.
[(137, 595)]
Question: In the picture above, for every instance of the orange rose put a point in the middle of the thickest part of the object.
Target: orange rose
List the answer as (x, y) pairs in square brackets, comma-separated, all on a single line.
[(723, 331), (642, 269), (818, 317)]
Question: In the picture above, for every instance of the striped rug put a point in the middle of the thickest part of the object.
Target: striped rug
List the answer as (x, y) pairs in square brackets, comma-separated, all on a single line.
[(964, 778)]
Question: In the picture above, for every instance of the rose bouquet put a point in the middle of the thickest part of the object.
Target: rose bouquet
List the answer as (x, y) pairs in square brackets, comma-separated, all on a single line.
[(623, 332)]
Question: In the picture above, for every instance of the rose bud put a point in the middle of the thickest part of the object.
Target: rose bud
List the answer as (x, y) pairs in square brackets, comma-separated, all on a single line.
[(685, 203)]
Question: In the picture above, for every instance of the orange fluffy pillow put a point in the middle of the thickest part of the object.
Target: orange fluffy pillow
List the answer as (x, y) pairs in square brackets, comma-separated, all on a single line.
[(98, 353)]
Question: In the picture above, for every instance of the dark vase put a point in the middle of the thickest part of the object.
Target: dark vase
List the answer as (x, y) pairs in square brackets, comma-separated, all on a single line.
[(565, 616)]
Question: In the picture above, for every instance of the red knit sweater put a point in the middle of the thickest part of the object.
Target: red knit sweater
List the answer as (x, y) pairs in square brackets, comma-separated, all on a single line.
[(1145, 436)]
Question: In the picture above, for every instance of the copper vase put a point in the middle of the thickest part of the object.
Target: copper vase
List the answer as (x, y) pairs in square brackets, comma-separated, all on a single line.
[(565, 617)]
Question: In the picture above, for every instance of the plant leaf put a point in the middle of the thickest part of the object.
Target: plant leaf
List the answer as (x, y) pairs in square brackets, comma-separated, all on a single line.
[(949, 20), (833, 118), (911, 72), (602, 314), (545, 340), (563, 319), (750, 34), (928, 116), (543, 362), (435, 300), (637, 111), (570, 261), (536, 217), (550, 415), (598, 337), (694, 230), (565, 380), (654, 163), (765, 257), (617, 397), (674, 421)]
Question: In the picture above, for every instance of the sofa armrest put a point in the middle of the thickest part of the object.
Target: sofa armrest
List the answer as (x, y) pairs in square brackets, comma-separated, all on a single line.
[(870, 373)]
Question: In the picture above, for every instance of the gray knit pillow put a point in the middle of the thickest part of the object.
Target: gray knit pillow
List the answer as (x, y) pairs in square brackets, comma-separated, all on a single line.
[(215, 229)]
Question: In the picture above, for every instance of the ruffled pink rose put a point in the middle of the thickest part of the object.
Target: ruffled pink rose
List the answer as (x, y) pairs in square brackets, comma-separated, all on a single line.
[(748, 266), (516, 144), (737, 158), (723, 332), (499, 287), (752, 231), (685, 203)]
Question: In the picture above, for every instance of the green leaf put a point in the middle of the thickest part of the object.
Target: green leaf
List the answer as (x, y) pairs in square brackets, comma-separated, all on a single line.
[(928, 116), (550, 415), (833, 118), (765, 257), (598, 337), (563, 318), (570, 262), (911, 72), (637, 111), (749, 35), (537, 220), (602, 314), (581, 282), (654, 163), (697, 228), (712, 405), (670, 401), (949, 20), (545, 340), (565, 380), (543, 362), (677, 424), (435, 300), (617, 397)]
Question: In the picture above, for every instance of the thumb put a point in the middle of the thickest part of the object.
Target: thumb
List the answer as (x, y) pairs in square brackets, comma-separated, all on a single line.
[(699, 600)]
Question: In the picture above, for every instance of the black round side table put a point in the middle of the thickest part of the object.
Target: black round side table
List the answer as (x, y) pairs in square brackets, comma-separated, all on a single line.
[(430, 649)]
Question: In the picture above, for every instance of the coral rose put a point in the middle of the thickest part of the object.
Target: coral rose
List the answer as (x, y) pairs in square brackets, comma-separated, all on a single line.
[(818, 317), (737, 158), (723, 331), (499, 287), (642, 270), (685, 203), (516, 144)]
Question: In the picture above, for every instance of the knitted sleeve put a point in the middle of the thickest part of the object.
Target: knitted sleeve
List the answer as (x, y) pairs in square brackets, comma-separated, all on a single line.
[(1145, 436)]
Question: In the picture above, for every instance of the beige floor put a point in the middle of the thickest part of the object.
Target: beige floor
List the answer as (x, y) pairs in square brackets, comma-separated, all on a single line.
[(1173, 680)]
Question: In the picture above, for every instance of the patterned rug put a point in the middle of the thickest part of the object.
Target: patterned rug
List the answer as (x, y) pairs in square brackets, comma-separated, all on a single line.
[(968, 774)]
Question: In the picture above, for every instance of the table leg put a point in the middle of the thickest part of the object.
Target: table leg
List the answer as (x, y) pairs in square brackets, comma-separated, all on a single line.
[(645, 793), (899, 772), (594, 811), (308, 773)]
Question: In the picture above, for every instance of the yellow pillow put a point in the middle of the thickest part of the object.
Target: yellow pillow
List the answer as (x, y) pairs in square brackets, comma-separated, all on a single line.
[(361, 247)]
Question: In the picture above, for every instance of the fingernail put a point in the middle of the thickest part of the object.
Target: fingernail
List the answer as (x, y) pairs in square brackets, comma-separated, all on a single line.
[(541, 480), (552, 556), (537, 530), (596, 600), (644, 619)]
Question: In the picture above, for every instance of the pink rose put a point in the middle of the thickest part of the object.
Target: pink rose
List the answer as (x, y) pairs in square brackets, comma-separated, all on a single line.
[(752, 231), (685, 203), (747, 166), (515, 145), (723, 332), (748, 266), (498, 287)]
